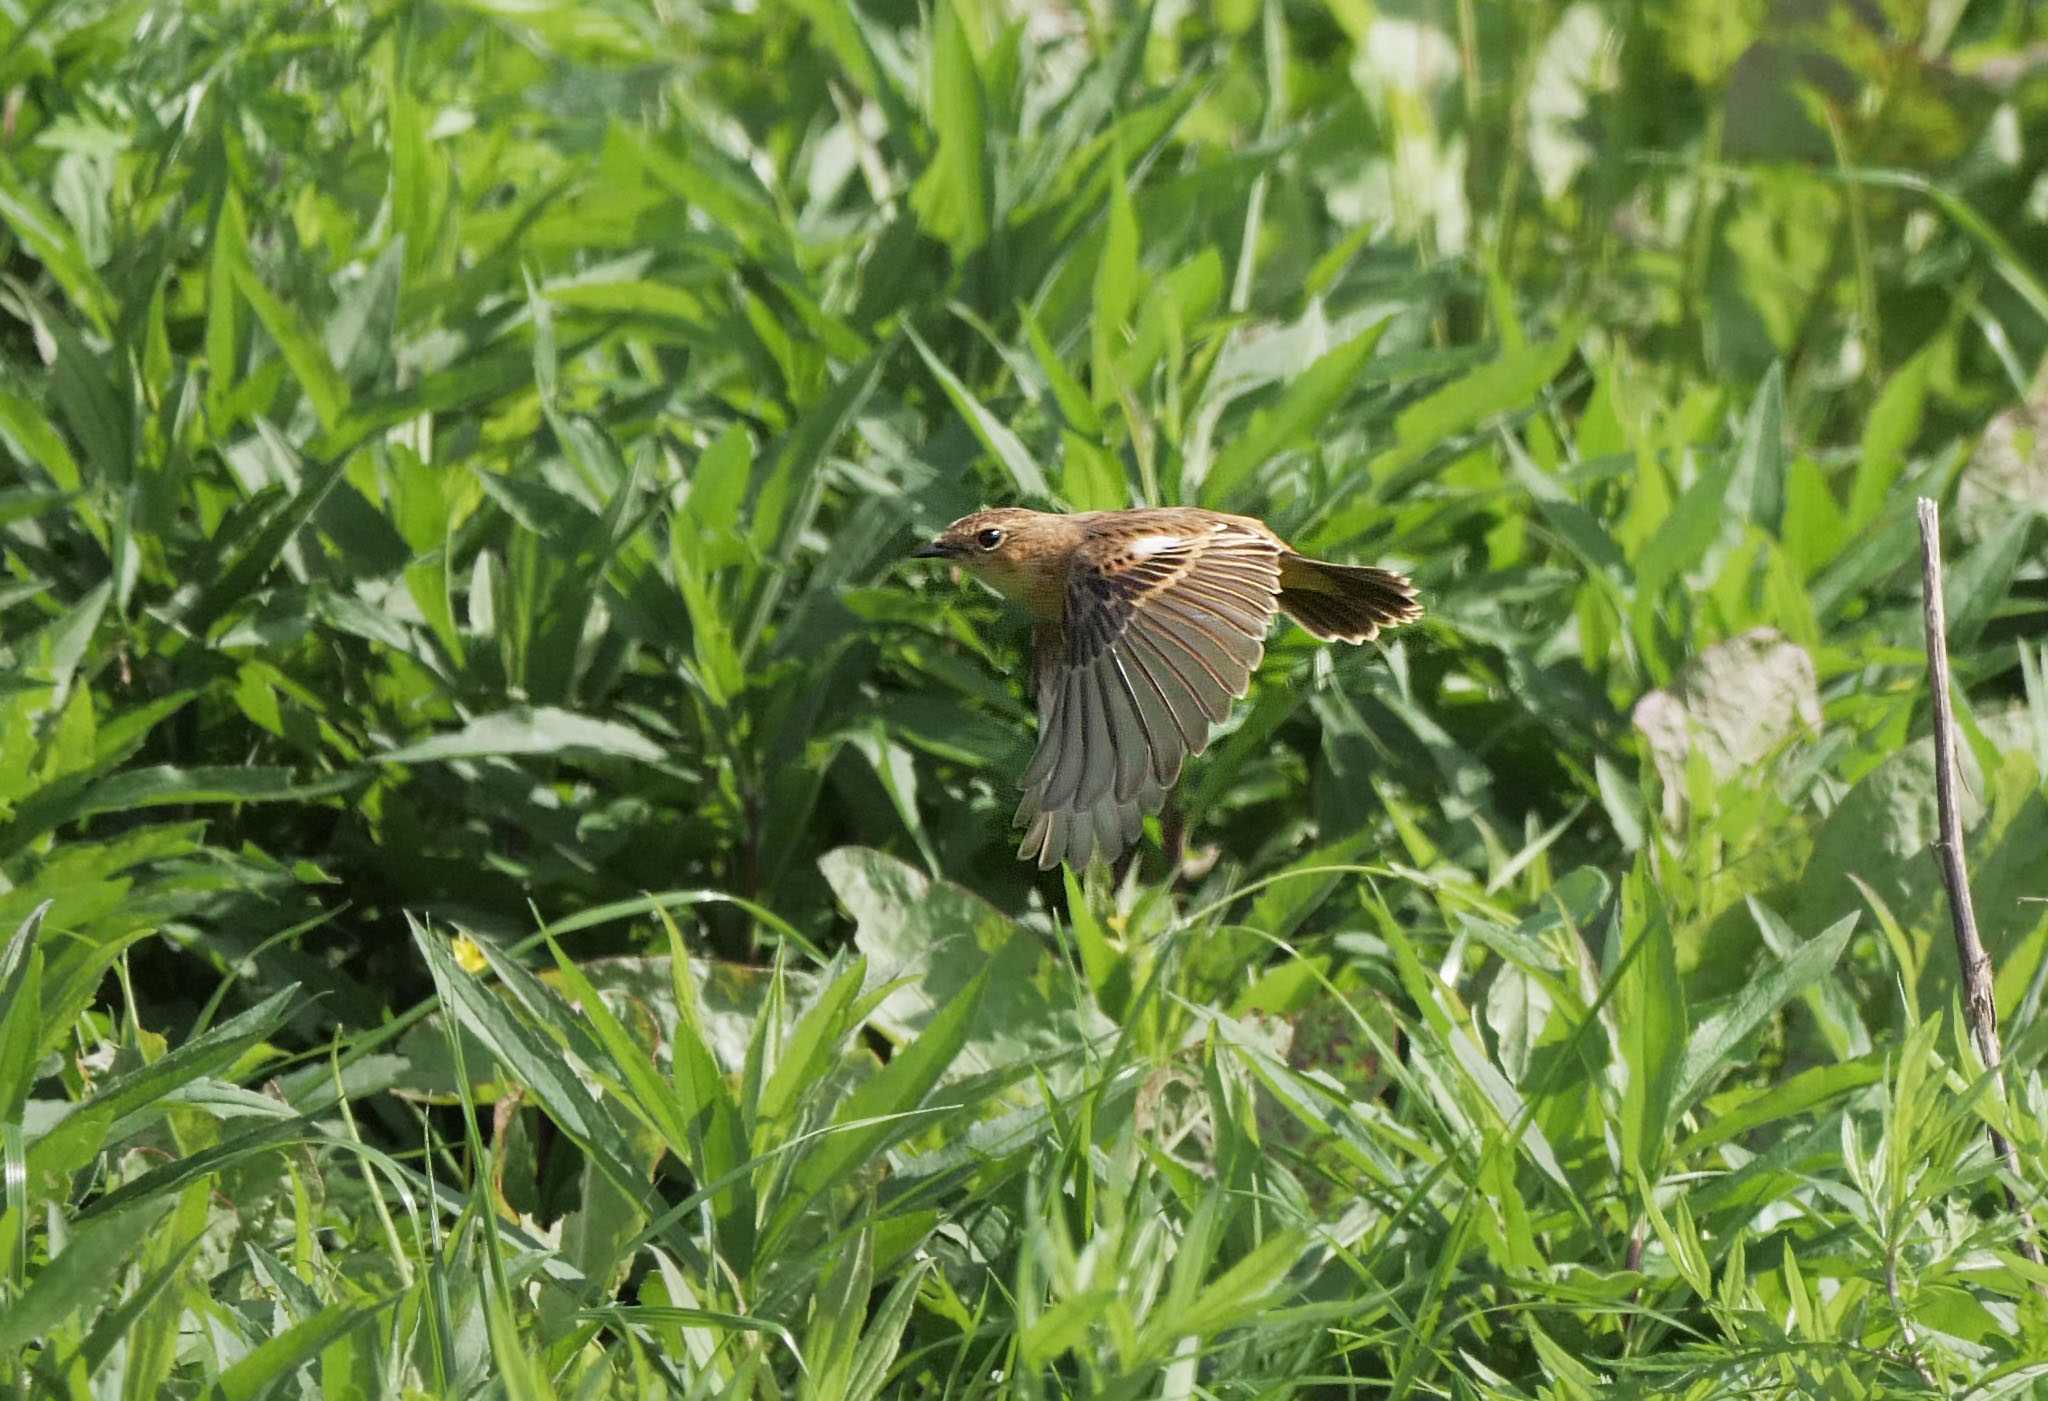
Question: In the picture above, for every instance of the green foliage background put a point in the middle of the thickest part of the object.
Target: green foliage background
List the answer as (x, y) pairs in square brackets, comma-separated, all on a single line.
[(459, 459)]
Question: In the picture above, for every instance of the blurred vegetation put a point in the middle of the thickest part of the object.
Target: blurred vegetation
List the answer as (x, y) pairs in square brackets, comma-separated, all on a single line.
[(508, 871)]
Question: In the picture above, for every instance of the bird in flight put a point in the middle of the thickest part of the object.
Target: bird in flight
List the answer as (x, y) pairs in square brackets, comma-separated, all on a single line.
[(1147, 624)]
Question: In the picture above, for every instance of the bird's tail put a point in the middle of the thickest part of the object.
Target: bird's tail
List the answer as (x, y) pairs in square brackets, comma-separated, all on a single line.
[(1345, 602)]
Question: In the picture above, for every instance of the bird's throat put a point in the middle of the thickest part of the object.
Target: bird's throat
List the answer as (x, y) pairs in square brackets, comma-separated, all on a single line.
[(1038, 586)]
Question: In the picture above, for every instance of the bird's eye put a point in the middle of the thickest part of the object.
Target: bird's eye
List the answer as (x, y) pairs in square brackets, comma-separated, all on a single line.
[(989, 539)]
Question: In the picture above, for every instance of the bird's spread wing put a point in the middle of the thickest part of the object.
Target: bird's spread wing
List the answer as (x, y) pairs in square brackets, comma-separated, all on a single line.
[(1161, 632)]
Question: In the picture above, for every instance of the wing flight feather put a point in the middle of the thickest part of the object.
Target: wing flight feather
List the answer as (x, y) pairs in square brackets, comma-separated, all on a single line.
[(1160, 633)]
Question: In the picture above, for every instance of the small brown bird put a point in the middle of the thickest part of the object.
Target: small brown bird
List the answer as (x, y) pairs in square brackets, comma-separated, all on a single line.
[(1148, 624)]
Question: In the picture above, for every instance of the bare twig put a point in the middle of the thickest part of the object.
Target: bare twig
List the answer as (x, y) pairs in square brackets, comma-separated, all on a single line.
[(1978, 1004)]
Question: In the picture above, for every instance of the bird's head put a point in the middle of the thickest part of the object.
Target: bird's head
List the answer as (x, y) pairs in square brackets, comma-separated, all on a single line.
[(1020, 554)]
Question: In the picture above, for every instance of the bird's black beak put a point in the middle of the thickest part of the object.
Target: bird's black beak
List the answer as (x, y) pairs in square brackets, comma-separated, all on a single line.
[(932, 551)]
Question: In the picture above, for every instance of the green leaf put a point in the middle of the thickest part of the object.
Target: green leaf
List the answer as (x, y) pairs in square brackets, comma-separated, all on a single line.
[(419, 178), (1816, 527), (113, 1326), (62, 645), (718, 483), (1756, 478), (229, 250), (515, 1366), (21, 1007), (1888, 436), (719, 669), (208, 1053), (883, 1339), (29, 436), (1067, 392), (727, 194), (541, 730), (1065, 1326), (299, 346), (951, 197), (259, 1138), (1304, 884), (1301, 408), (1685, 536), (53, 245), (526, 1053), (811, 1047), (1509, 383), (1101, 963), (995, 435), (926, 939), (1090, 478), (629, 1063), (1235, 1295), (1788, 1099), (1116, 291), (838, 1310), (876, 1113), (718, 1140), (93, 391), (1651, 1004), (1714, 1042), (1579, 529), (160, 786), (789, 494), (277, 1357), (74, 1282), (1983, 580), (1174, 312), (1622, 801), (237, 576), (659, 1315), (841, 30)]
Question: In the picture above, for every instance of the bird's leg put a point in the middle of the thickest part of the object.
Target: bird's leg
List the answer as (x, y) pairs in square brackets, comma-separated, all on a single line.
[(1121, 868), (1173, 832)]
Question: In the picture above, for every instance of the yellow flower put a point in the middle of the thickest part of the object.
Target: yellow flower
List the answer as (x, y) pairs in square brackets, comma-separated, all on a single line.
[(469, 955)]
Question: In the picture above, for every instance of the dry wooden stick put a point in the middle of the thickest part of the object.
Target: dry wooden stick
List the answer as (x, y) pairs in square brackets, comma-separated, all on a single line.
[(1978, 1004)]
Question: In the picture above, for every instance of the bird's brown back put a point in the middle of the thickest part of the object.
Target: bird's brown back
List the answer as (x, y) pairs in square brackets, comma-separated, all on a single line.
[(1173, 520)]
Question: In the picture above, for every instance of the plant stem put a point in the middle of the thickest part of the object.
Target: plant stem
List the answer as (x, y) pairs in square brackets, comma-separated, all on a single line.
[(1978, 1004)]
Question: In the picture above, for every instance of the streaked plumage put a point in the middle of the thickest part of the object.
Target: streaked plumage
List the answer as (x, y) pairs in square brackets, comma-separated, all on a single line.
[(1148, 626)]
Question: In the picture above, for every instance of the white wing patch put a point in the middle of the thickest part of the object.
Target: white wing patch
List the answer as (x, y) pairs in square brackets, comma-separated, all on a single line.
[(1149, 545)]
